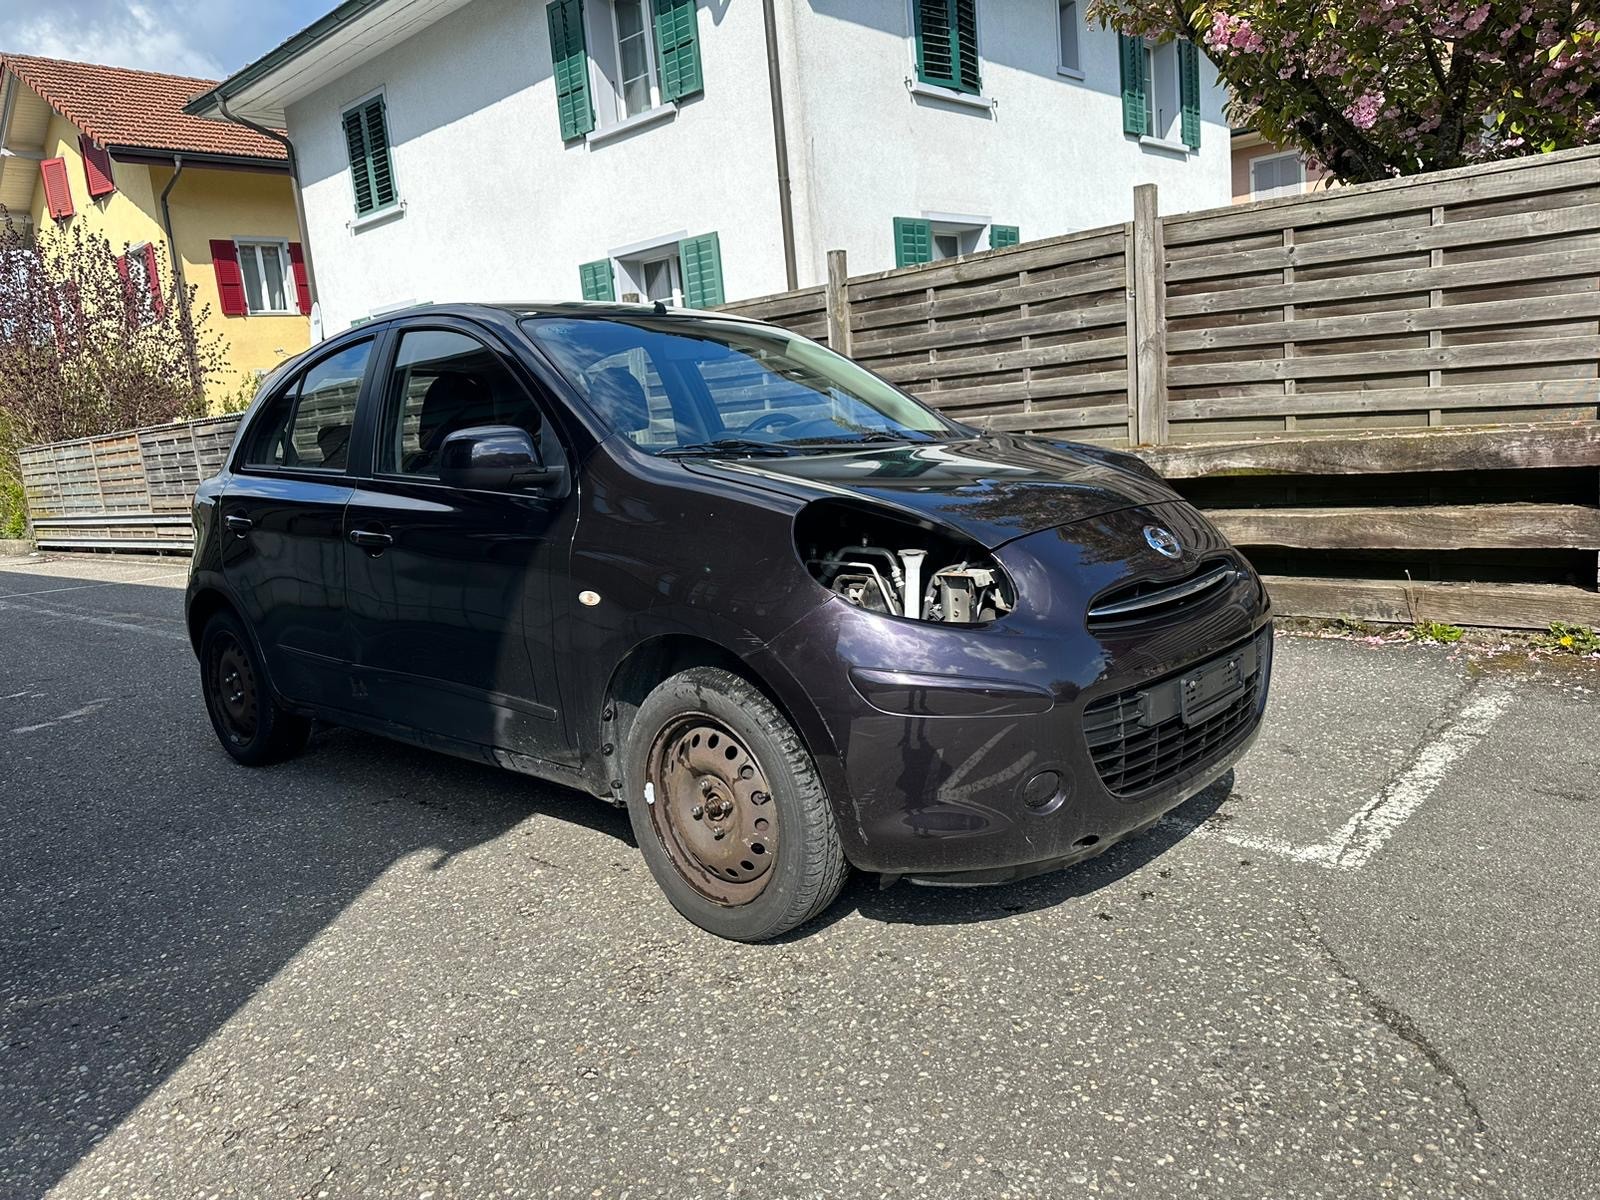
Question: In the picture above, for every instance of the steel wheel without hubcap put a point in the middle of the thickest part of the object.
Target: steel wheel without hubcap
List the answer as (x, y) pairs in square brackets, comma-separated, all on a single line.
[(713, 809), (233, 688)]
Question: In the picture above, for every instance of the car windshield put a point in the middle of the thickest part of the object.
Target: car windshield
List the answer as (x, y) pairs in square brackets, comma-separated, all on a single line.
[(679, 385)]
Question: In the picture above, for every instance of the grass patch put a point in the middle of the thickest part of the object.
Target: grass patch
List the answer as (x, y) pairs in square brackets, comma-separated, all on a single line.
[(1437, 631)]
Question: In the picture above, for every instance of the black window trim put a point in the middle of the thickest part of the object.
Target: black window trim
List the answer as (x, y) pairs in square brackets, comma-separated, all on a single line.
[(491, 341), (240, 464)]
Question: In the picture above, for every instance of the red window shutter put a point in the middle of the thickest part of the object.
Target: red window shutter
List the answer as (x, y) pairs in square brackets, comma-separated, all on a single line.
[(96, 167), (230, 281), (302, 284), (57, 192), (152, 274)]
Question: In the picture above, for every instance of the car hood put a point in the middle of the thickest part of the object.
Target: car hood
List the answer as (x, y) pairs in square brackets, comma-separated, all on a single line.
[(993, 488)]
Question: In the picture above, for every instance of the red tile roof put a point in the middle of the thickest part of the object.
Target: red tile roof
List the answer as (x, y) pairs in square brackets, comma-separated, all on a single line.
[(139, 109)]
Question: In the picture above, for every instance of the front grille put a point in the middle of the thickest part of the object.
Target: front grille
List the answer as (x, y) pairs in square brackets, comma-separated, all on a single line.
[(1140, 739), (1159, 600)]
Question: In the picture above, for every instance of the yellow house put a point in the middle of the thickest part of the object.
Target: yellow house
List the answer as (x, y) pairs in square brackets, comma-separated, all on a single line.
[(112, 148)]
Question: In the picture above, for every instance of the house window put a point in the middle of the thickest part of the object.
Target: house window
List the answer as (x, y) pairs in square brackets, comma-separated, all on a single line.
[(1161, 91), (265, 267), (1161, 103), (366, 136), (679, 273), (1277, 175), (923, 239), (1067, 33), (947, 44), (632, 67), (640, 54)]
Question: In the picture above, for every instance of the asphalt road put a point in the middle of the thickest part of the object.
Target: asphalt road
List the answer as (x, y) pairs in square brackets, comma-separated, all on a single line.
[(1366, 965)]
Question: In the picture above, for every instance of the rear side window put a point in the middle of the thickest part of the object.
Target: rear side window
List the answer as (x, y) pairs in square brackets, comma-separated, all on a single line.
[(307, 426), (443, 382)]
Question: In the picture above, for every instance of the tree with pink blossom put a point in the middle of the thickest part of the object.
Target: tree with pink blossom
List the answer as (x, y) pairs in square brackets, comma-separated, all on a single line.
[(1385, 88)]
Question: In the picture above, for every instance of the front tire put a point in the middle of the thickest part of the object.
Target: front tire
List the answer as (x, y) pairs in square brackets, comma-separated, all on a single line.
[(250, 724), (728, 808)]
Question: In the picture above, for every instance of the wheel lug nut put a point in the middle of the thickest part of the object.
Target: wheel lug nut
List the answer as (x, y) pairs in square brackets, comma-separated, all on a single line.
[(705, 786), (696, 812), (719, 834)]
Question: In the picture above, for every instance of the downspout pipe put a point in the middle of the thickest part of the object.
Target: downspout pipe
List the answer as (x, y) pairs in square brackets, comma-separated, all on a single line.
[(172, 242), (780, 142), (180, 284), (294, 184)]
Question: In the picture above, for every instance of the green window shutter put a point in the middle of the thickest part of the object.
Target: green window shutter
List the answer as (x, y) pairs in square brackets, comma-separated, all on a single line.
[(597, 280), (1001, 236), (366, 137), (964, 16), (913, 241), (701, 260), (355, 137), (569, 58), (1189, 92), (1134, 114), (947, 44), (677, 39)]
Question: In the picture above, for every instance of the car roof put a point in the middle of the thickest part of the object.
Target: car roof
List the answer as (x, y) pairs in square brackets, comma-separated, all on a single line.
[(541, 308)]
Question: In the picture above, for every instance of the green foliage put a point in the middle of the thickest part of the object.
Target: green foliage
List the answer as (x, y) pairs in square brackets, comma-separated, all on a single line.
[(1571, 639), (1437, 631), (13, 509)]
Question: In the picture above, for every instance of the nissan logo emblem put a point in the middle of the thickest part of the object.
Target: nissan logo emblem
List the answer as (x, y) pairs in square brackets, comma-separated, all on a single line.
[(1163, 541)]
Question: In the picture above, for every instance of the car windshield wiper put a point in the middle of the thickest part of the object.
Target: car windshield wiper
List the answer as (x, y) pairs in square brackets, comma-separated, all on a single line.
[(909, 438), (733, 446)]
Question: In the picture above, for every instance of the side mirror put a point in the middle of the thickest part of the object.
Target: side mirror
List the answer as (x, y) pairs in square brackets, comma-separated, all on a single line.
[(496, 458)]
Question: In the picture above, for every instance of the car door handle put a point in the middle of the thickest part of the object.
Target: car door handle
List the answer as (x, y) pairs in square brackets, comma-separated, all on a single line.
[(237, 524), (371, 538)]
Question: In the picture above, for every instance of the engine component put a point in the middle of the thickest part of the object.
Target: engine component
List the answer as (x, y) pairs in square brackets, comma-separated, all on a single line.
[(881, 563)]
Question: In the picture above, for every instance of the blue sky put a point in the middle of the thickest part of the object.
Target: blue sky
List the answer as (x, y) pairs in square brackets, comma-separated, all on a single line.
[(212, 38)]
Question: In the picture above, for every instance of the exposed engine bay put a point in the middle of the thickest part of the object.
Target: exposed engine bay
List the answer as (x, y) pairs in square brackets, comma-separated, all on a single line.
[(901, 567)]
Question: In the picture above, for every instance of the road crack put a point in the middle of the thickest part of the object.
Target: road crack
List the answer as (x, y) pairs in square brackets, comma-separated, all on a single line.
[(1401, 1025)]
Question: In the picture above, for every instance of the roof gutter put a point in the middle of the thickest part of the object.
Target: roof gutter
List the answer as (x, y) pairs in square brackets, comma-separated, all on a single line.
[(308, 37), (294, 184)]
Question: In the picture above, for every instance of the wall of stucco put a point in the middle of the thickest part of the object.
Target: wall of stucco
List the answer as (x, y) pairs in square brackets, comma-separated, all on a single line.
[(206, 204), (496, 206)]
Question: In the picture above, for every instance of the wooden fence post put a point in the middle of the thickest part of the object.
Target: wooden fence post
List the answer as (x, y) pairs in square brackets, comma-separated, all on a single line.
[(1149, 332), (838, 303)]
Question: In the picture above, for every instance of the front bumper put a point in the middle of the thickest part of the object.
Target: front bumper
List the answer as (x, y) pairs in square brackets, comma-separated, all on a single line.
[(980, 755)]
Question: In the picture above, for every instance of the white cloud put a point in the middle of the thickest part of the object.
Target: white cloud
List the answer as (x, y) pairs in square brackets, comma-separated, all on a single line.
[(118, 34)]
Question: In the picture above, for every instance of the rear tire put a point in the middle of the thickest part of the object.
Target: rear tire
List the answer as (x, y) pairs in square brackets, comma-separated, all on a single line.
[(250, 724), (728, 808)]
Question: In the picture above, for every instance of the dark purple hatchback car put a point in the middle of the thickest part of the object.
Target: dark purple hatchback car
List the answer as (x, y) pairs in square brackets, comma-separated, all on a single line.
[(791, 618)]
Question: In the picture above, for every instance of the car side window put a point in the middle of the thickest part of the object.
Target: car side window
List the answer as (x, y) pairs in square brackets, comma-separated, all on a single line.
[(308, 424), (444, 381)]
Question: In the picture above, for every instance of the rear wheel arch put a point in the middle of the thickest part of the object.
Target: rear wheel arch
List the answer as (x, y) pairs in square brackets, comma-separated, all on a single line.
[(206, 604)]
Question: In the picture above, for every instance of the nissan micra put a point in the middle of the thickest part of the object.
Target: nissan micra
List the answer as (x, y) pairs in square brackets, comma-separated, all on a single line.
[(788, 616)]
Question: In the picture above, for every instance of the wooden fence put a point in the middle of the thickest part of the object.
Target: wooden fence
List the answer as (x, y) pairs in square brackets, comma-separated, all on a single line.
[(123, 491), (1387, 394)]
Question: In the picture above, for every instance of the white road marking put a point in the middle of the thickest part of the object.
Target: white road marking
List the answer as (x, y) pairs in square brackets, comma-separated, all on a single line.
[(79, 587), (1354, 843), (57, 614), (77, 714)]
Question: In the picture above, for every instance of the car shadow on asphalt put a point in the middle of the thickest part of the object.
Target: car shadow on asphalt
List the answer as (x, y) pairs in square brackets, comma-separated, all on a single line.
[(905, 903)]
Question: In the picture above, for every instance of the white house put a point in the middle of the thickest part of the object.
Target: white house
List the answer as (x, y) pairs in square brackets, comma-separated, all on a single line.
[(696, 150)]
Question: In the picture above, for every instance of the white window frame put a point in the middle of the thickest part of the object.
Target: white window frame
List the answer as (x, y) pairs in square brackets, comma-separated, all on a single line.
[(252, 247), (968, 231), (601, 29), (629, 262), (1163, 87), (134, 256), (1065, 20), (1300, 183)]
